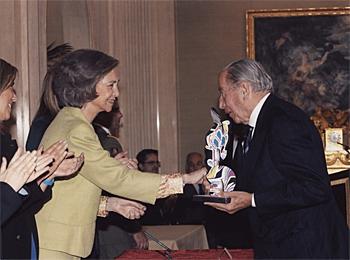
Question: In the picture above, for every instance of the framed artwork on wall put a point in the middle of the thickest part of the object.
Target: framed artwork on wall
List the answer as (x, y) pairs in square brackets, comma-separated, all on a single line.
[(307, 53)]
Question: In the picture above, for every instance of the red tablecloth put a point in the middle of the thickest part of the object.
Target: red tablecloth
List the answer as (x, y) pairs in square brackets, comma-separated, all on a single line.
[(188, 254)]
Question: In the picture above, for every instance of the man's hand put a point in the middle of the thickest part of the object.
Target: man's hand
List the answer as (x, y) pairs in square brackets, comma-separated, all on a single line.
[(239, 200), (206, 186), (141, 240), (123, 159), (127, 208)]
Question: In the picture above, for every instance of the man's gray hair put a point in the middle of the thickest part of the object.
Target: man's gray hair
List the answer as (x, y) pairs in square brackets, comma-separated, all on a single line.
[(251, 71)]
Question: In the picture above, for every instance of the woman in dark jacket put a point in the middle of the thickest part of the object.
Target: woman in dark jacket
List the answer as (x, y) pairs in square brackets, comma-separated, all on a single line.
[(19, 239), (21, 168)]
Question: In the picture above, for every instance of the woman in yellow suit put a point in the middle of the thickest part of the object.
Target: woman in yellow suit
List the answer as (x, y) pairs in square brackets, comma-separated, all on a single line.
[(86, 83)]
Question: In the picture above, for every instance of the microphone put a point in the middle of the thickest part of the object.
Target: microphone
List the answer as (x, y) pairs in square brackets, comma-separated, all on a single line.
[(167, 249)]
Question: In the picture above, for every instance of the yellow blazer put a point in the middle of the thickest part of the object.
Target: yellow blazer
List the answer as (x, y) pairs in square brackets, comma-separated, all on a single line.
[(67, 222)]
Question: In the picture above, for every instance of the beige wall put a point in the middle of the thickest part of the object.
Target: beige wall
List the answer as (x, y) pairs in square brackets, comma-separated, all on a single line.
[(141, 34), (209, 34), (170, 52), (67, 21), (23, 44)]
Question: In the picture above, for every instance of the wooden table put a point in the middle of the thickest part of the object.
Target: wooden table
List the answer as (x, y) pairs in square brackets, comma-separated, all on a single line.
[(184, 237)]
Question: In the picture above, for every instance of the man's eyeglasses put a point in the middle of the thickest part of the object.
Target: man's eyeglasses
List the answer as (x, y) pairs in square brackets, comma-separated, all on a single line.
[(153, 163)]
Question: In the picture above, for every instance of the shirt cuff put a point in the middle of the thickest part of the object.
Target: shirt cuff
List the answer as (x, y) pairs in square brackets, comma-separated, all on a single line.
[(23, 192), (253, 201)]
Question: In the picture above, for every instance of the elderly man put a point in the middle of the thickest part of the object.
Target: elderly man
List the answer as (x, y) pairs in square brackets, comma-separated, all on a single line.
[(282, 178)]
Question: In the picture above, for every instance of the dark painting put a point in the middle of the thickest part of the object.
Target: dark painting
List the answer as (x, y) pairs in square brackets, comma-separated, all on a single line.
[(306, 55)]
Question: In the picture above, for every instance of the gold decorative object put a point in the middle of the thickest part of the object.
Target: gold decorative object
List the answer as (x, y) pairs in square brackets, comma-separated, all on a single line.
[(337, 154), (334, 128), (333, 139), (332, 118)]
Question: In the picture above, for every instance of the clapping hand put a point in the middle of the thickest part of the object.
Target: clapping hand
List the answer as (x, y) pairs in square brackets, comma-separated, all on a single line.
[(42, 166), (23, 168), (59, 151), (69, 165), (127, 208), (65, 163)]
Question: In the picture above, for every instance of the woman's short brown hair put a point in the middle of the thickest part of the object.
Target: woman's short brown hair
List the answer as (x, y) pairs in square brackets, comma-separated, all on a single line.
[(75, 77)]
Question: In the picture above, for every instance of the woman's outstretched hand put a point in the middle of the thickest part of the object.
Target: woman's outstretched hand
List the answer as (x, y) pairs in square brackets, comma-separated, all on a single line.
[(196, 177), (127, 208)]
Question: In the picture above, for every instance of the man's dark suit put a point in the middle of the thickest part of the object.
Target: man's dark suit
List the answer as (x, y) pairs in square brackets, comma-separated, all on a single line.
[(296, 215), (11, 201), (112, 236), (186, 210)]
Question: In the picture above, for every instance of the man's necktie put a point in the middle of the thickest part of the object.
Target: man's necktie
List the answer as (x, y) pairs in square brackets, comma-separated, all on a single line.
[(247, 139), (200, 189), (243, 142)]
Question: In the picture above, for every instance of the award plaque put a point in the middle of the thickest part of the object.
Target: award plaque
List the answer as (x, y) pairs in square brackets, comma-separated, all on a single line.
[(218, 152)]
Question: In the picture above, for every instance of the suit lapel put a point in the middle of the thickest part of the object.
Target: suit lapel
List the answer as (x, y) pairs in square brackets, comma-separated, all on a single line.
[(258, 140)]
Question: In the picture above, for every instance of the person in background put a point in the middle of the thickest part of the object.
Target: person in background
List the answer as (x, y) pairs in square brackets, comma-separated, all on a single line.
[(187, 211), (85, 83), (105, 125), (115, 233), (163, 211), (19, 238), (48, 107), (194, 162), (282, 177), (148, 162)]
